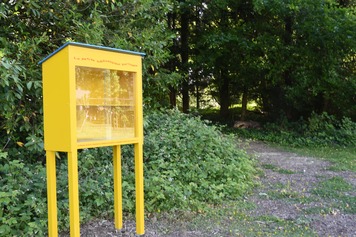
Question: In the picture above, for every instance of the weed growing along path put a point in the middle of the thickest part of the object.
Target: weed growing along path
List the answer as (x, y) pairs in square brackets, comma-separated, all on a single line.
[(298, 196)]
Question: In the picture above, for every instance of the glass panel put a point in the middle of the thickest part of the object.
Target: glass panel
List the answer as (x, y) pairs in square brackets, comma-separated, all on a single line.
[(105, 104)]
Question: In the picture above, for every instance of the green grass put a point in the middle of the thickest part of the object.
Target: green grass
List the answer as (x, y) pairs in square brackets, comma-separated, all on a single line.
[(345, 204), (331, 188), (342, 158), (322, 210), (284, 191), (337, 190), (277, 169), (232, 219)]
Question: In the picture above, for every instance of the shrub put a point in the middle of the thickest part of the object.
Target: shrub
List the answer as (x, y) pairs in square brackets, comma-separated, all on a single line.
[(318, 130), (188, 164), (327, 129), (23, 205)]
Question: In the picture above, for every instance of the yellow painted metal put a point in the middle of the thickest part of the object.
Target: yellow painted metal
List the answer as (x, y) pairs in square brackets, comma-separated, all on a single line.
[(138, 108), (92, 97), (51, 193), (117, 187), (73, 194), (96, 95), (140, 219), (107, 143), (56, 103)]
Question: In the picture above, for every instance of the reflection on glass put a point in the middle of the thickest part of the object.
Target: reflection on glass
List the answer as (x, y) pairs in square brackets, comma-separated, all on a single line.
[(105, 104)]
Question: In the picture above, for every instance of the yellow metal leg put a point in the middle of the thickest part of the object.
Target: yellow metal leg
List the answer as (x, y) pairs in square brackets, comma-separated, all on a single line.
[(73, 194), (140, 225), (117, 187), (51, 193)]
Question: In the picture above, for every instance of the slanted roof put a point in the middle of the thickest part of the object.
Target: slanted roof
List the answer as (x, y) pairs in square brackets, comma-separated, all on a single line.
[(93, 47)]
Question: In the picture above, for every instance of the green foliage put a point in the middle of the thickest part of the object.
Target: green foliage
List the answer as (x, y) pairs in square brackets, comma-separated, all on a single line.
[(23, 205), (318, 56), (188, 164), (292, 57), (332, 187), (325, 128), (20, 117), (31, 30), (277, 169), (337, 188), (318, 130), (342, 158), (233, 218)]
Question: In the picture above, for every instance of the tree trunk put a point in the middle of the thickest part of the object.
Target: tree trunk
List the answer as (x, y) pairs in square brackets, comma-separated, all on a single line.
[(244, 104), (198, 96), (288, 80), (276, 97), (173, 64), (224, 95), (173, 97), (184, 33), (185, 96)]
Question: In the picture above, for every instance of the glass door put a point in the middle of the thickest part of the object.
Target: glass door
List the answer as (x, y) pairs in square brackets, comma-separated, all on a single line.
[(105, 104)]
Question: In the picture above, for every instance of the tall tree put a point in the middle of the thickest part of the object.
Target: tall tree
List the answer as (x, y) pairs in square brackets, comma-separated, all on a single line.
[(312, 42), (184, 51)]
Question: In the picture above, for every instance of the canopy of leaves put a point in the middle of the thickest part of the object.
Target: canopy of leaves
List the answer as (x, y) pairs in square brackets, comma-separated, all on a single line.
[(292, 57)]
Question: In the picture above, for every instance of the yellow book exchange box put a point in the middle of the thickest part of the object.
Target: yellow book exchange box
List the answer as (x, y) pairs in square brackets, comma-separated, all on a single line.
[(92, 97)]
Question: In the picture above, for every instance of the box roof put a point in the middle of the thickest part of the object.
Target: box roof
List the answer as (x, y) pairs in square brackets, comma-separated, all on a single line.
[(93, 47)]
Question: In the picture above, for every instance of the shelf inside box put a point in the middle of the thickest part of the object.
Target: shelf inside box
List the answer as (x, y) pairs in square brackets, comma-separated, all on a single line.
[(105, 104)]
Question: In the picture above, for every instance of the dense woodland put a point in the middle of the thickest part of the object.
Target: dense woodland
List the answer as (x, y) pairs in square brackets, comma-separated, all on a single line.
[(292, 57)]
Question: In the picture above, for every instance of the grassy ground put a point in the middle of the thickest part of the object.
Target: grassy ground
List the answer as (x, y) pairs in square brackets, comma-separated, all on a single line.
[(231, 220), (343, 158)]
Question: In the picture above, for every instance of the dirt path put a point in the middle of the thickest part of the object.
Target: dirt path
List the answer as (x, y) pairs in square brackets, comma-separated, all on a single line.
[(289, 191), (292, 191)]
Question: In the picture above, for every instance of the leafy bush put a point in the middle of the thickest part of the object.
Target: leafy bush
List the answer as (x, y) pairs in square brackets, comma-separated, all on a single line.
[(21, 98), (318, 130), (327, 129), (23, 207), (188, 164)]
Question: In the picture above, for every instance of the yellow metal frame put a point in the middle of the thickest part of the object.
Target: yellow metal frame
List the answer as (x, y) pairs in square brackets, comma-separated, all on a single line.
[(60, 126)]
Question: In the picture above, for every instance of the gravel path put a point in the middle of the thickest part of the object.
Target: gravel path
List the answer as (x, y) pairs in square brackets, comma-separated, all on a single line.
[(286, 193)]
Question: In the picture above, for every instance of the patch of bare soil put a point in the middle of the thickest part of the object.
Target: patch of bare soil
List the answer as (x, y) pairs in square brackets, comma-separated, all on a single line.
[(286, 193)]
